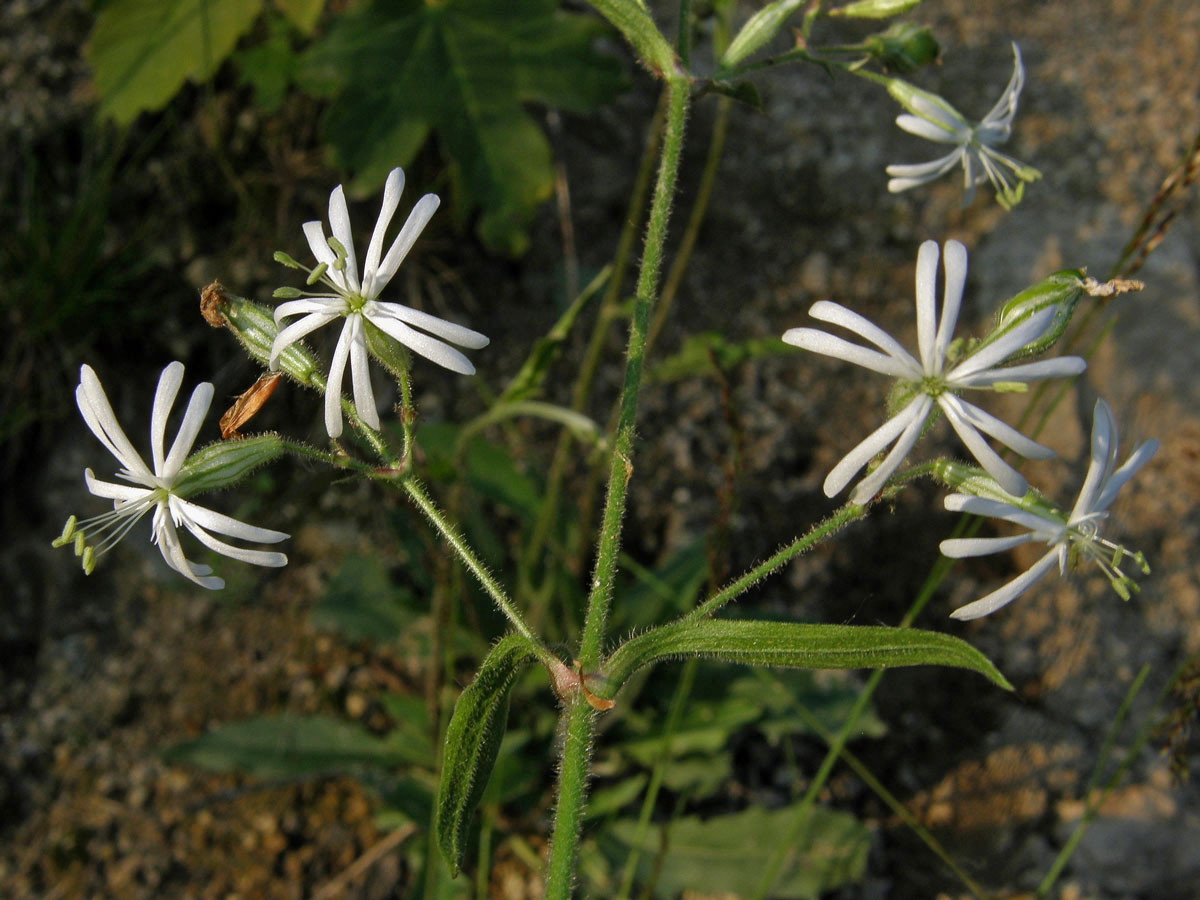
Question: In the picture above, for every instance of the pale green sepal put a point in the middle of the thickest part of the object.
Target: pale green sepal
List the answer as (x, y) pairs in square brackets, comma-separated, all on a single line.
[(225, 463), (255, 329), (761, 27), (874, 9), (792, 645), (903, 47), (912, 97), (472, 742), (385, 348)]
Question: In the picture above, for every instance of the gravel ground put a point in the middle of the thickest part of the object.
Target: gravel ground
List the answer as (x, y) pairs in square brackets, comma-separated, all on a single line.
[(100, 673)]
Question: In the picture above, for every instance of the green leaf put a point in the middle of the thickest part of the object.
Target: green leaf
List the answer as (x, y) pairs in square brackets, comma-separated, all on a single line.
[(472, 741), (142, 51), (268, 68), (361, 601), (728, 854), (397, 69), (793, 645), (286, 745), (704, 353), (301, 13), (761, 27)]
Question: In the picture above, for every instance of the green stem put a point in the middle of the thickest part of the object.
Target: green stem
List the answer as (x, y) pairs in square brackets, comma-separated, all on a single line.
[(407, 417), (743, 583), (424, 503), (572, 793), (608, 546)]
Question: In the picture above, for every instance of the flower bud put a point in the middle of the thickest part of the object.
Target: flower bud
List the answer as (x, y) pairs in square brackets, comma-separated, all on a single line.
[(903, 47), (255, 328), (225, 463), (874, 9), (1060, 292)]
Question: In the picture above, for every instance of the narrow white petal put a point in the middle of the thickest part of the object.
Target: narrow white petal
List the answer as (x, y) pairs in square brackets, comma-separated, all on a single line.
[(1043, 529), (339, 224), (873, 483), (1002, 348), (296, 331), (429, 347), (927, 260), (127, 493), (1103, 455), (1059, 367), (960, 548), (852, 462), (456, 334), (926, 171), (1009, 592), (391, 199), (99, 417), (193, 419), (836, 314), (167, 539), (954, 260), (828, 345), (164, 398), (336, 305), (1001, 115), (333, 384), (360, 376), (1005, 475), (931, 131), (417, 220), (254, 557), (315, 233), (1117, 480), (1002, 431), (223, 524)]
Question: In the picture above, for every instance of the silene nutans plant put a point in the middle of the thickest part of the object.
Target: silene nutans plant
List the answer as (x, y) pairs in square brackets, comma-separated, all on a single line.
[(571, 688)]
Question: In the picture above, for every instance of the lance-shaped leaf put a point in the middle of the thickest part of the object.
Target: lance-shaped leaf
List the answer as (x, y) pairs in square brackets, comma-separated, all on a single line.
[(791, 645), (472, 742)]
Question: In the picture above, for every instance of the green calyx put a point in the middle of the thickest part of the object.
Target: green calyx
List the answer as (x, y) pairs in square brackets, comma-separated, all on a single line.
[(225, 463)]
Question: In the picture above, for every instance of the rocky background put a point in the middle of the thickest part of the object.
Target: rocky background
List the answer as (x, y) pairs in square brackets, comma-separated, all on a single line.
[(97, 674)]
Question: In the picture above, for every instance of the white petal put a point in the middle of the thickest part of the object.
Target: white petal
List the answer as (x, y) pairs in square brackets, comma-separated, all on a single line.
[(927, 259), (836, 314), (417, 220), (931, 131), (1002, 431), (852, 462), (126, 493), (335, 305), (1103, 455), (954, 261), (1117, 480), (99, 417), (456, 334), (1043, 529), (164, 398), (1009, 592), (296, 331), (339, 224), (431, 348), (193, 419), (1005, 475), (926, 171), (1004, 347), (315, 232), (333, 384), (959, 548), (223, 524), (360, 377), (1001, 115), (828, 345), (167, 539), (1059, 367), (873, 483), (392, 190)]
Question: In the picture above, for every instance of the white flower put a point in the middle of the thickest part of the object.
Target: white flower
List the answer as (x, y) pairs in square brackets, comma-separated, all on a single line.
[(928, 381), (1070, 538), (356, 302), (936, 120), (157, 489)]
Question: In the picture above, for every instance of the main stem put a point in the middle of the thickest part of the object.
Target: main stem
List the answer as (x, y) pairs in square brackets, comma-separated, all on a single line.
[(576, 753)]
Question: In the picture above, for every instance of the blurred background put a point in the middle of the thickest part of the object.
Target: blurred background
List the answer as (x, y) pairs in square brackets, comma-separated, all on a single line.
[(131, 178)]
